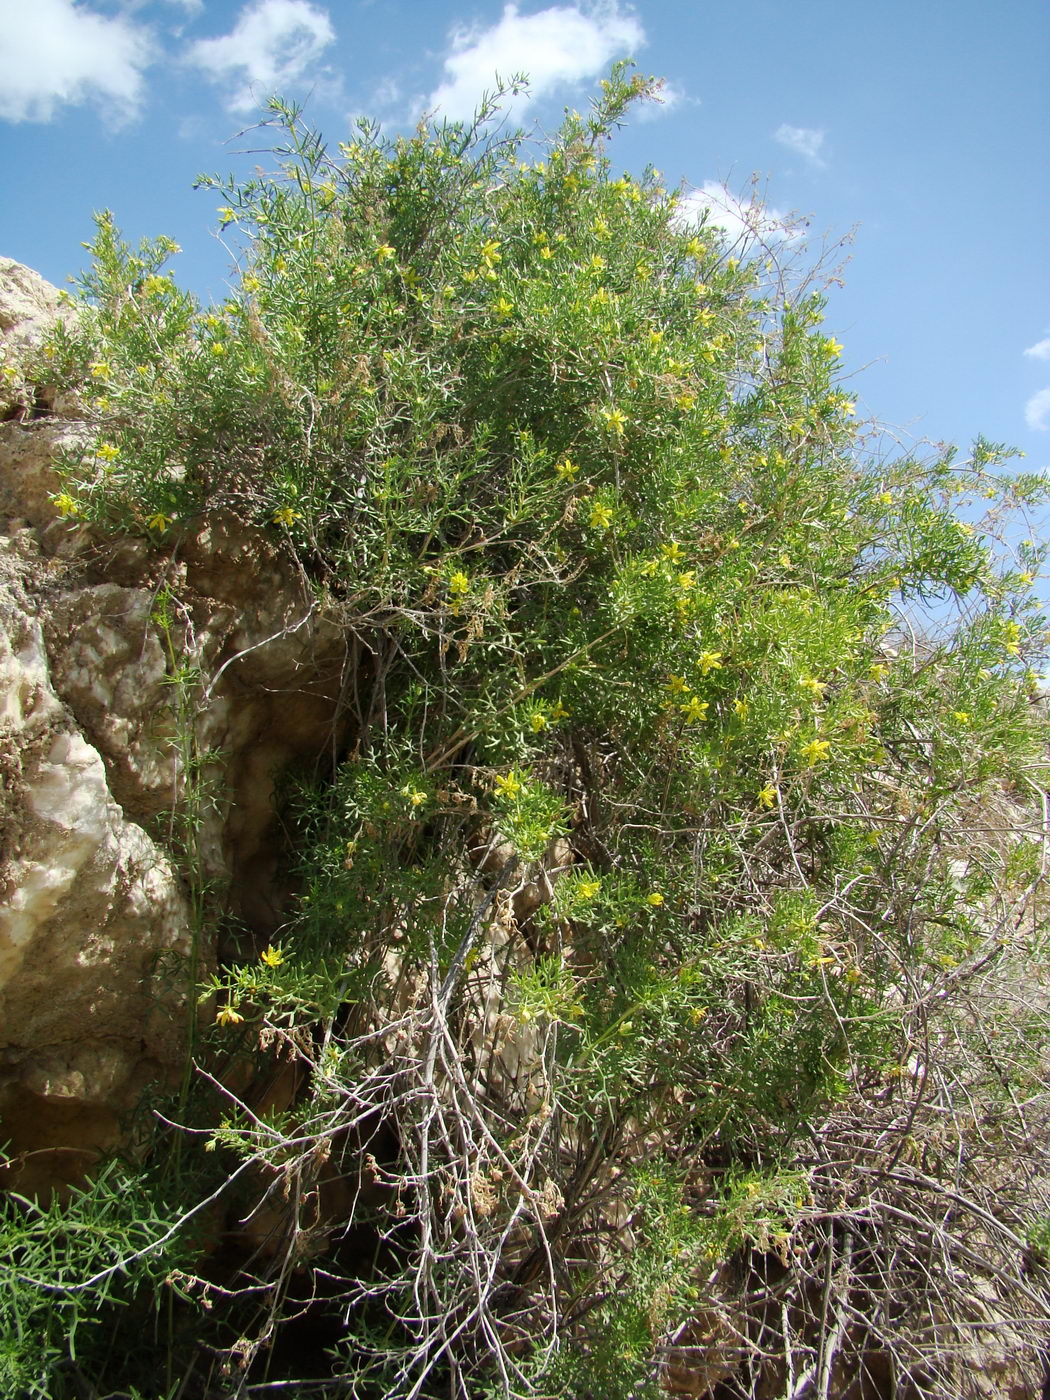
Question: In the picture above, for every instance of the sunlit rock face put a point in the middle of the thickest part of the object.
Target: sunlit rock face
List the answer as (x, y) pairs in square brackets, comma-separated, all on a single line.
[(96, 936), (92, 922)]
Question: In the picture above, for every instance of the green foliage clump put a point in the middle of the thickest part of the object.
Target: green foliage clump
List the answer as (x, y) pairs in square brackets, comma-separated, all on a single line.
[(654, 838)]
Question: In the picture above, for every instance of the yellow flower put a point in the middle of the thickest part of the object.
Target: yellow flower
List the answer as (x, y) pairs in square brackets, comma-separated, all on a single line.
[(159, 522), (961, 716), (509, 785), (687, 580), (597, 263), (490, 254), (672, 552), (601, 516), (566, 469), (616, 420), (588, 888), (226, 214), (709, 661), (229, 1016), (106, 452), (459, 584), (832, 349), (504, 308), (415, 796), (655, 898), (676, 684), (767, 796), (877, 671), (272, 957), (538, 720), (813, 687), (740, 709), (218, 348), (250, 283), (697, 1014), (286, 516), (384, 252), (815, 752), (695, 710), (65, 504), (559, 712), (100, 369), (546, 253)]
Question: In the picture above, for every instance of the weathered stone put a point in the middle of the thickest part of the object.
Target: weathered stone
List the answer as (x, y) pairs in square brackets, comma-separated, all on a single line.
[(95, 734), (93, 927)]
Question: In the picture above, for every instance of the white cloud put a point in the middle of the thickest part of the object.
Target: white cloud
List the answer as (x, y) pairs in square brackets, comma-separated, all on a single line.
[(54, 53), (560, 45), (1037, 411), (1040, 350), (741, 220), (803, 140), (272, 45)]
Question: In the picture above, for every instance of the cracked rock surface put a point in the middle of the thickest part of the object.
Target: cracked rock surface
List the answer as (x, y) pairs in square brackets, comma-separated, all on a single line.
[(95, 923)]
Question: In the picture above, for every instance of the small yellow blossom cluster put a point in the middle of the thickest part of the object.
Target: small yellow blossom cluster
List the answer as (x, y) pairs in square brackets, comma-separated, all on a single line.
[(286, 517), (510, 785), (615, 420), (816, 751), (66, 505), (694, 710), (1011, 637)]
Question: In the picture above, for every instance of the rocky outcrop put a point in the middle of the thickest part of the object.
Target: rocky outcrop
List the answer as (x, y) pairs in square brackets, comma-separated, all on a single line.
[(92, 922), (126, 671)]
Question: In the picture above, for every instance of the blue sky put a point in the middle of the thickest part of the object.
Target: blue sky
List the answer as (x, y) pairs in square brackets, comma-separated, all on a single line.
[(919, 124)]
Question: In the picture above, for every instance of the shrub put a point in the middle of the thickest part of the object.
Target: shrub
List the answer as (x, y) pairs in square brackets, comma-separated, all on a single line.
[(659, 834)]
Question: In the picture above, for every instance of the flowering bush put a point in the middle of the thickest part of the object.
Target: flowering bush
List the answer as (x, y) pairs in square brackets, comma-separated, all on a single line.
[(659, 834)]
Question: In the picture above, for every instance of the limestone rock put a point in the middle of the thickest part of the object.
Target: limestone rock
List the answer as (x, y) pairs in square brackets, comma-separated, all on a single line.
[(28, 307), (102, 711), (94, 929)]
